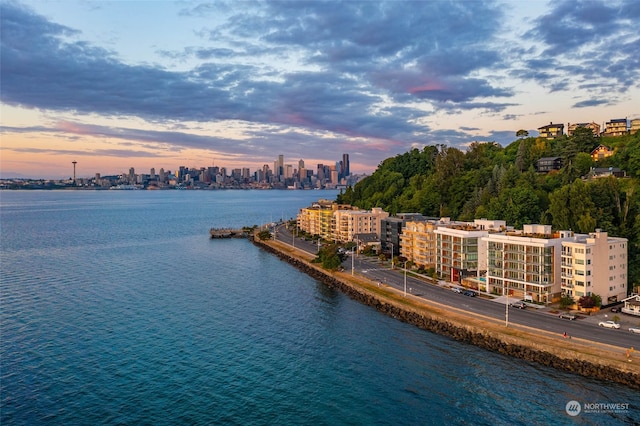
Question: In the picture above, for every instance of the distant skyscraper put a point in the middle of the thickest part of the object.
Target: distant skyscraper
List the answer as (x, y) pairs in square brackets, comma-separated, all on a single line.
[(345, 165), (280, 169)]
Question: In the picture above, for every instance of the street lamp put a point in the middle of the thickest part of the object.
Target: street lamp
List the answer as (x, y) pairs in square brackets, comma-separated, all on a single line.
[(506, 308), (353, 255), (405, 278), (391, 255)]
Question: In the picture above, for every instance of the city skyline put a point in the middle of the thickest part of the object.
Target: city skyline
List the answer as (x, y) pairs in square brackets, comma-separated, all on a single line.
[(114, 85)]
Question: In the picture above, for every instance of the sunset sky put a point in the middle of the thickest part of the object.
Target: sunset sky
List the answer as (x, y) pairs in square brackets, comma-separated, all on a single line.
[(120, 84)]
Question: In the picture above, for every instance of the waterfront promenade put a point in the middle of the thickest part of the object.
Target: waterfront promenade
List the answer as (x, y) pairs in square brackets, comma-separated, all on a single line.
[(578, 355)]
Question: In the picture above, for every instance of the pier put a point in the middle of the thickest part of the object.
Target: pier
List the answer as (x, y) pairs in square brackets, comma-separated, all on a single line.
[(227, 233)]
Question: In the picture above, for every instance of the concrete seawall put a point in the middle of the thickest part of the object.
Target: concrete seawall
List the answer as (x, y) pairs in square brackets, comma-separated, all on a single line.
[(602, 362)]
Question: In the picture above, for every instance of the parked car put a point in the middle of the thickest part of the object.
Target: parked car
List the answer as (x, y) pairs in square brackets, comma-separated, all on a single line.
[(568, 316), (616, 309), (634, 330), (519, 305), (470, 293), (609, 324), (456, 290)]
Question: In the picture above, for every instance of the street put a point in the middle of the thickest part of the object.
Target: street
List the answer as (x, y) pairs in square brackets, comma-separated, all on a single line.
[(541, 318)]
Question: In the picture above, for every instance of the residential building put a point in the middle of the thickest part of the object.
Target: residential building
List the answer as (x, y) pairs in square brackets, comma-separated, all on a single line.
[(548, 164), (635, 126), (601, 152), (595, 264), (347, 223), (459, 252), (616, 127), (598, 172), (524, 264), (631, 305), (318, 219), (595, 128), (418, 242), (551, 131), (391, 230)]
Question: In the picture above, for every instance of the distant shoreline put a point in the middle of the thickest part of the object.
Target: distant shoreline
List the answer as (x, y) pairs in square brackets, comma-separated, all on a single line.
[(588, 359)]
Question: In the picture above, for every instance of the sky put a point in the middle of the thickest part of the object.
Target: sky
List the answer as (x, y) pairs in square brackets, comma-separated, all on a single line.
[(120, 84)]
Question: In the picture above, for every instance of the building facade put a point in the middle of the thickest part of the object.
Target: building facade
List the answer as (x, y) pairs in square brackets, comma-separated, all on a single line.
[(595, 264), (551, 131), (616, 127), (348, 223), (459, 251), (595, 128), (524, 264)]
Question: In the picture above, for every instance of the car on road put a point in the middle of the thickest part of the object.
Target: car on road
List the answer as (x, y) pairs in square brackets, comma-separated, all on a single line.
[(635, 330), (470, 293), (456, 290), (519, 305), (609, 324), (568, 316), (616, 309)]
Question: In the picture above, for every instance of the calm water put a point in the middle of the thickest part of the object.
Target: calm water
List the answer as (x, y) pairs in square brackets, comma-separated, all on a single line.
[(116, 308)]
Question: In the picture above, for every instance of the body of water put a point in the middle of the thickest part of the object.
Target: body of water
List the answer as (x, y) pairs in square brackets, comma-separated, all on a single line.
[(117, 308)]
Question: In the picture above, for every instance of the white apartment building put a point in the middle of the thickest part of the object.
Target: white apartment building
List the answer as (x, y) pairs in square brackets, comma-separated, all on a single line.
[(459, 251), (595, 264), (524, 264), (348, 223)]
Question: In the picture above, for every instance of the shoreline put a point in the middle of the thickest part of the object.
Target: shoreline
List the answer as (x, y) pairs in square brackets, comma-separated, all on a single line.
[(588, 359)]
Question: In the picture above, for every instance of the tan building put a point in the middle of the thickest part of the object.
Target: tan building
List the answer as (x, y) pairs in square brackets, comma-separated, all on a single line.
[(318, 219), (635, 126), (595, 264), (524, 264), (418, 241), (595, 128), (616, 127), (348, 223)]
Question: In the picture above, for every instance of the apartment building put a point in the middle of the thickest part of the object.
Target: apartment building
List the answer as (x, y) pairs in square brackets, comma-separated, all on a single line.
[(595, 264), (616, 127), (349, 223), (459, 251), (318, 218), (392, 228), (524, 264), (418, 242), (635, 126)]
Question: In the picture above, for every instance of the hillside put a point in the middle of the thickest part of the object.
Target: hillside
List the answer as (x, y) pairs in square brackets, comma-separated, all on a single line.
[(489, 181)]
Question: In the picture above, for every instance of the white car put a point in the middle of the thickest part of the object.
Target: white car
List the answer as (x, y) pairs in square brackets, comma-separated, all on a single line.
[(609, 324), (634, 330)]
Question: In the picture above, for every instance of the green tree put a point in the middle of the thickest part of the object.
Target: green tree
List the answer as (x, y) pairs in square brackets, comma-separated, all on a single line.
[(571, 207), (566, 301), (522, 133)]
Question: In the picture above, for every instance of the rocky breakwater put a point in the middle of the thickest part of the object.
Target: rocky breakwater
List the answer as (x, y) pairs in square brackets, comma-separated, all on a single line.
[(609, 364)]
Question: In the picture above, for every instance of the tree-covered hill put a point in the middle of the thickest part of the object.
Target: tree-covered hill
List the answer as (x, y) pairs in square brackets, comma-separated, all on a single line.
[(489, 181)]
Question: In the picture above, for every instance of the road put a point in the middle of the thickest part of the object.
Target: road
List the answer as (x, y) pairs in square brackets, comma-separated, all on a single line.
[(539, 318)]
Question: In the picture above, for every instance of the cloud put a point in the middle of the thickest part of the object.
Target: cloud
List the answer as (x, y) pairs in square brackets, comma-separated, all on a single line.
[(586, 41), (302, 77)]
